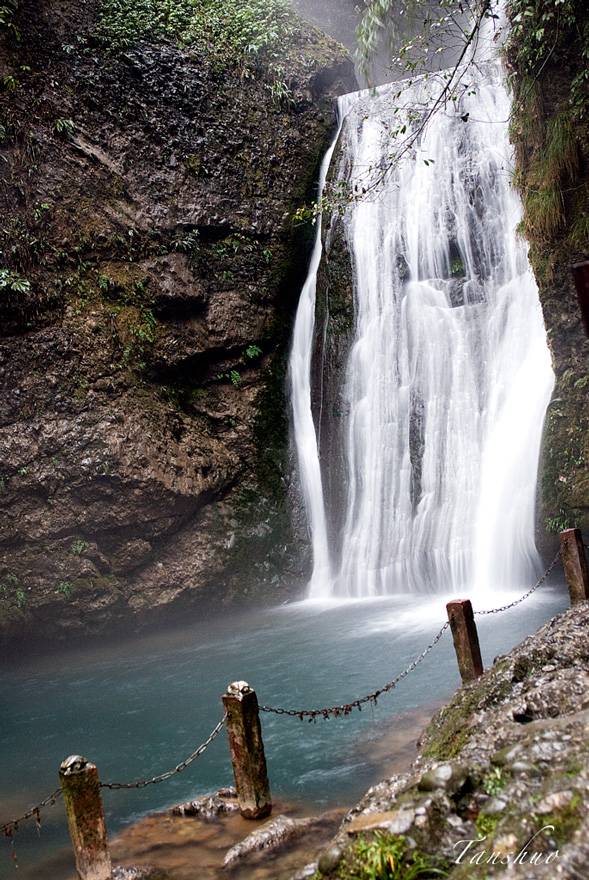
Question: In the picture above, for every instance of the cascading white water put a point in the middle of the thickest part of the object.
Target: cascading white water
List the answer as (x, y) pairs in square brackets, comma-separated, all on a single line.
[(449, 375), (303, 425)]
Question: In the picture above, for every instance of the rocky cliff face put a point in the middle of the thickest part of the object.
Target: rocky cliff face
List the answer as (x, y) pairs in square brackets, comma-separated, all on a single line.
[(549, 131), (149, 272)]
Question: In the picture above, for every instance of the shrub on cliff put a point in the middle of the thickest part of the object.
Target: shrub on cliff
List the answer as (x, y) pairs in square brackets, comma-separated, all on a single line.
[(233, 33)]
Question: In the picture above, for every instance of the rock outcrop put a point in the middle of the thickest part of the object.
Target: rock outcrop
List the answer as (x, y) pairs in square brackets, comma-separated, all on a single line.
[(501, 781), (149, 275), (549, 131)]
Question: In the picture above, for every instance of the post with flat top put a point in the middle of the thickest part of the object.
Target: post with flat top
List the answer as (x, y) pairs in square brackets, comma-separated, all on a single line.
[(575, 564), (247, 750), (85, 816), (466, 639)]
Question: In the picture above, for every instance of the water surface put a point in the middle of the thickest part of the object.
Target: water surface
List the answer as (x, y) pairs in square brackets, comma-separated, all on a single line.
[(139, 708)]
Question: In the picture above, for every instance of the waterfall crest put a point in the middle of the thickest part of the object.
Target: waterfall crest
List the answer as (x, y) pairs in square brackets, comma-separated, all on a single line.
[(449, 375)]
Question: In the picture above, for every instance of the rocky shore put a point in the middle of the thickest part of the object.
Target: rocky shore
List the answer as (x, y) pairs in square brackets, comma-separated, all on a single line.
[(499, 788)]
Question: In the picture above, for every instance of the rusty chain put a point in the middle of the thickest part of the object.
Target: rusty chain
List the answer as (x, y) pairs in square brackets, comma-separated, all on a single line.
[(115, 786), (372, 698), (11, 826), (311, 714), (529, 593)]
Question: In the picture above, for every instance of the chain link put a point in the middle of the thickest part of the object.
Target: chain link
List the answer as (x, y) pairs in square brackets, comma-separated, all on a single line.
[(311, 714), (337, 711), (526, 595), (11, 826), (115, 786)]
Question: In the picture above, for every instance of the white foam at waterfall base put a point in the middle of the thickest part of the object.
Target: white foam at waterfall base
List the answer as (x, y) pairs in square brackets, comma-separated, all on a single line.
[(449, 375)]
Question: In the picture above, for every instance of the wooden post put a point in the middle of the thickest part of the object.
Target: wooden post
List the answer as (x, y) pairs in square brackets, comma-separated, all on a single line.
[(247, 750), (575, 565), (85, 816), (581, 278), (466, 639)]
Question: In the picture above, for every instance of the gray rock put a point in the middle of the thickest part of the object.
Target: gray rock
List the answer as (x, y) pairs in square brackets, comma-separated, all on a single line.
[(223, 801), (269, 836), (330, 859), (449, 777), (494, 806), (539, 766)]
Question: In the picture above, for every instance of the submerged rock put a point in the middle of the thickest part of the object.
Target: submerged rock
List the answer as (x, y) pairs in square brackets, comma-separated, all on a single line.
[(281, 832), (223, 801), (270, 835), (121, 873)]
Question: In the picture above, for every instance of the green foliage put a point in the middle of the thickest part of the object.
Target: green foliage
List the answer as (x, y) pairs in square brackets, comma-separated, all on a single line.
[(252, 351), (144, 329), (10, 280), (186, 241), (64, 126), (10, 591), (558, 523), (543, 32), (457, 268), (580, 232), (233, 376), (433, 28), (78, 547), (230, 32), (555, 160), (565, 821), (64, 588), (280, 91), (494, 781), (384, 857), (7, 10), (486, 825)]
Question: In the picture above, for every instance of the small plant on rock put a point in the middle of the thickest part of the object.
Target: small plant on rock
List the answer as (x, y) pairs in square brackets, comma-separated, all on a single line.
[(64, 588), (494, 781), (386, 858)]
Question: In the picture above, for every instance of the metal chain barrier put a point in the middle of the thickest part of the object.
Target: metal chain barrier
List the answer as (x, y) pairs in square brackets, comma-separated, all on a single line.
[(526, 595), (11, 826), (178, 769), (312, 714), (337, 711)]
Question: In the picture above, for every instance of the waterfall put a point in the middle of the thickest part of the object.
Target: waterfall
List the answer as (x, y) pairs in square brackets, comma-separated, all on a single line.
[(448, 376), (299, 369)]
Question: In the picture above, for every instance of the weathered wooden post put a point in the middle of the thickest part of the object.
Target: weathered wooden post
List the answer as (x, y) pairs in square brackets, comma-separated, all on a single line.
[(581, 278), (85, 816), (247, 750), (466, 639), (575, 565)]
